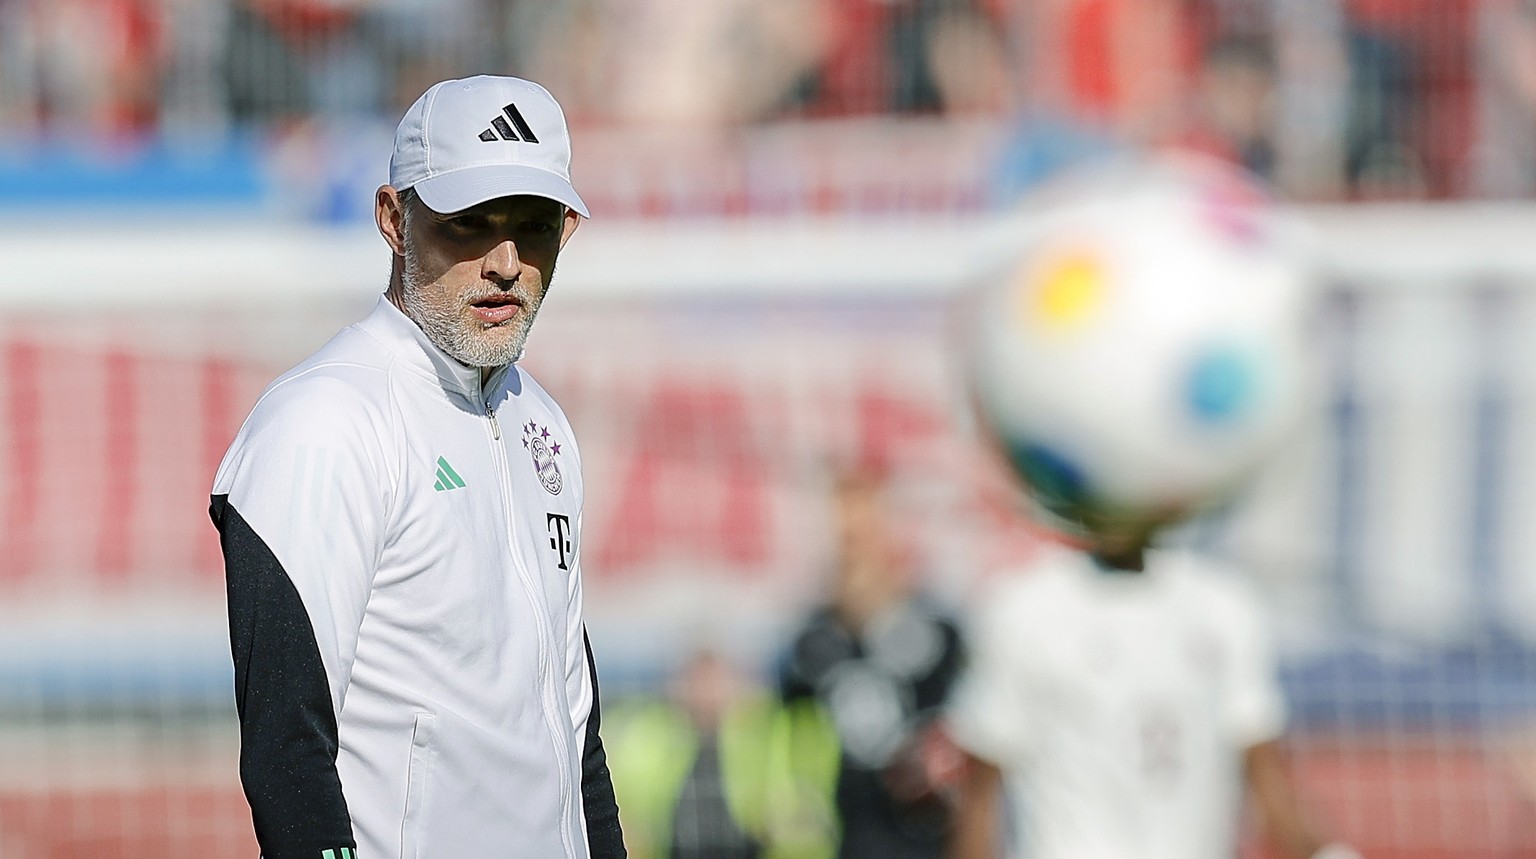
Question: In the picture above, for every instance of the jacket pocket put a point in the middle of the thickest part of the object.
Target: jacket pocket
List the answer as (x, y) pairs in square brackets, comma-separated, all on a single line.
[(418, 776)]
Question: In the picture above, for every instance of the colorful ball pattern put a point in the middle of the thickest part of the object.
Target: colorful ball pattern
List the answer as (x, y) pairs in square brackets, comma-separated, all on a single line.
[(1147, 345)]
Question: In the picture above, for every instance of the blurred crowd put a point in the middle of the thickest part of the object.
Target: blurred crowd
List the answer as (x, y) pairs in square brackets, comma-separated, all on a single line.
[(1329, 98)]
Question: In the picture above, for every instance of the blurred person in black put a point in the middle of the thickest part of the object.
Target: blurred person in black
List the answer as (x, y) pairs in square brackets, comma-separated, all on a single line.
[(265, 67), (901, 57), (880, 661), (1387, 109), (1235, 90)]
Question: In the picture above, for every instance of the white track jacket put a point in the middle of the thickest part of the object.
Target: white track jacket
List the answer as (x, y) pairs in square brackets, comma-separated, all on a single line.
[(402, 547)]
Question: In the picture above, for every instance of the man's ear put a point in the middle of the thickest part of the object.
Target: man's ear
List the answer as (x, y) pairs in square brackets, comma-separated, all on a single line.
[(389, 215), (572, 221)]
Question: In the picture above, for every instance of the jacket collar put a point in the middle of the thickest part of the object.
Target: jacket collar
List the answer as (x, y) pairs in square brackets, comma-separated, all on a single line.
[(405, 338)]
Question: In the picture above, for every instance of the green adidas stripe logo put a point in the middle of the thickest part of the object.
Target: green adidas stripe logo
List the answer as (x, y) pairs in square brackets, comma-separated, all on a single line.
[(339, 853), (447, 478)]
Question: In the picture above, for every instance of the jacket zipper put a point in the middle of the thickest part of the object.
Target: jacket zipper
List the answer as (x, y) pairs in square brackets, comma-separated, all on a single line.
[(540, 622), (491, 413)]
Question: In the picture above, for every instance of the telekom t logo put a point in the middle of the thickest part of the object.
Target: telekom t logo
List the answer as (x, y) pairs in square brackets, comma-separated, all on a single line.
[(560, 536)]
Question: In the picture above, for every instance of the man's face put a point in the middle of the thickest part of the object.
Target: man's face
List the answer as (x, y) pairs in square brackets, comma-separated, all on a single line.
[(474, 279)]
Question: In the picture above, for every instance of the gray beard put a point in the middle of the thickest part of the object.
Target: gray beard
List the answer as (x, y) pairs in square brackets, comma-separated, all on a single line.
[(461, 338)]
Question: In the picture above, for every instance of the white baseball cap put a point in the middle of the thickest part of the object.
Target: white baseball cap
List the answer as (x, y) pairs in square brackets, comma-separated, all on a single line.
[(471, 140)]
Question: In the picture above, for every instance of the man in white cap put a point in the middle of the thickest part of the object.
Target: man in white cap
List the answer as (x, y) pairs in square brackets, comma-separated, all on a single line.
[(401, 524)]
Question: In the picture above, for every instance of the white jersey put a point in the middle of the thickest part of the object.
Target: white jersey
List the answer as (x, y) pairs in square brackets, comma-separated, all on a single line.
[(402, 546), (1118, 705)]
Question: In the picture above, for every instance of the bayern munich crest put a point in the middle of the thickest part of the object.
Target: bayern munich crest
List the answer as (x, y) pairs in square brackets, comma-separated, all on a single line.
[(543, 448)]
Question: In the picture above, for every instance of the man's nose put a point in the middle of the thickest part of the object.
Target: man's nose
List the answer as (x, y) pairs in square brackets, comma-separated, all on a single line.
[(501, 263)]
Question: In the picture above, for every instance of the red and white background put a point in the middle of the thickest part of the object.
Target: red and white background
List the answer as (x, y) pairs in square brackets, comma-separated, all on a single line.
[(784, 224), (713, 403)]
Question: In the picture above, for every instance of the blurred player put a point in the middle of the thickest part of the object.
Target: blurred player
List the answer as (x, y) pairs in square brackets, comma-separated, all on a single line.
[(881, 663), (1125, 697), (401, 524), (1140, 359)]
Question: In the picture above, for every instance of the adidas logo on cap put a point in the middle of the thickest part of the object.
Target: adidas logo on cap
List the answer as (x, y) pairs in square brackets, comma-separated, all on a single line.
[(501, 130)]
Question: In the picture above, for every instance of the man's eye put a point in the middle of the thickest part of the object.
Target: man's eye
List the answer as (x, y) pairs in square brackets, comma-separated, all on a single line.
[(538, 227), (467, 223)]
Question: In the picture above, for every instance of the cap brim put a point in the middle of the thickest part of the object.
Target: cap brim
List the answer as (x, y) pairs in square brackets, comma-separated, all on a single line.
[(470, 186)]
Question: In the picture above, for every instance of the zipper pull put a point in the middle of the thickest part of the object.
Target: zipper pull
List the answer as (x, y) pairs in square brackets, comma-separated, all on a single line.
[(495, 427)]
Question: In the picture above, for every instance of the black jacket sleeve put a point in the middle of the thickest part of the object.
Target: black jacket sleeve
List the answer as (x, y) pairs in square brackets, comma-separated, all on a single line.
[(605, 838), (288, 736)]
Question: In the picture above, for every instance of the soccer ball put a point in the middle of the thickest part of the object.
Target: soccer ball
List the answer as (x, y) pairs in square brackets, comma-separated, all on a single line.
[(1146, 344)]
